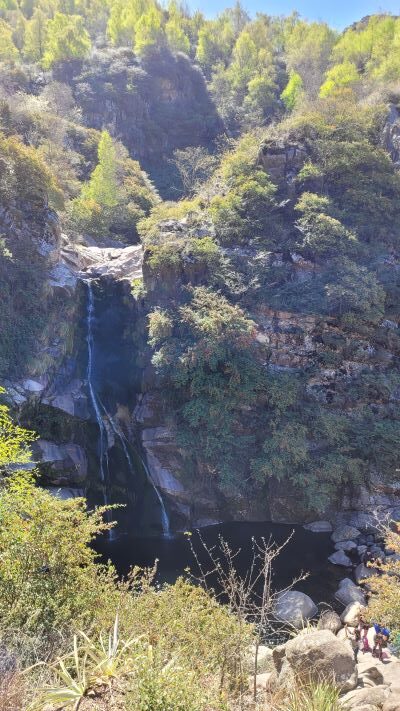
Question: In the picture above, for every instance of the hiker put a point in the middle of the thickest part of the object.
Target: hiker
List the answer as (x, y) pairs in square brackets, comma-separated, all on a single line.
[(381, 640), (354, 637), (363, 628)]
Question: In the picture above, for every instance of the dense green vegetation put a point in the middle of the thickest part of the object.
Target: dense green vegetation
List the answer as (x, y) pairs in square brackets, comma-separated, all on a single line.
[(339, 219), (182, 648), (298, 212), (267, 316)]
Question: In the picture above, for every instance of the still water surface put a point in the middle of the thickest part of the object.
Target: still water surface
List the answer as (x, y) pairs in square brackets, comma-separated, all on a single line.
[(306, 552)]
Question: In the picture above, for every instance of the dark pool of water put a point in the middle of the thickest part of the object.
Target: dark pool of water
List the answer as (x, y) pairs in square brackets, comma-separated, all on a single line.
[(306, 552)]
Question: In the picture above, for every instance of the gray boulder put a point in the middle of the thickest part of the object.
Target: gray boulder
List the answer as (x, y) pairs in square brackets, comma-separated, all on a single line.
[(350, 615), (346, 546), (320, 655), (345, 533), (319, 527), (365, 522), (392, 702), (359, 697), (329, 620), (264, 659), (295, 608), (63, 464), (349, 593), (396, 514), (340, 558), (368, 672), (362, 572)]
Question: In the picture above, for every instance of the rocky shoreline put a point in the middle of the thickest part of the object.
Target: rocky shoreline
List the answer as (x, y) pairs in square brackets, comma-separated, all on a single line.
[(324, 653)]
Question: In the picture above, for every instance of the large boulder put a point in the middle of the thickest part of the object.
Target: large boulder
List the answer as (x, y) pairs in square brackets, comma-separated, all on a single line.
[(345, 533), (295, 608), (349, 593), (392, 703), (362, 572), (61, 464), (329, 620), (264, 659), (368, 672), (319, 527), (340, 558), (365, 522), (359, 697), (351, 614), (346, 546), (320, 655)]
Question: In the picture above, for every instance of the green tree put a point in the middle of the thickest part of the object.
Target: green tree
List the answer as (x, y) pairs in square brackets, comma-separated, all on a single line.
[(66, 39), (321, 234), (206, 353), (355, 289), (340, 76), (244, 60), (308, 51), (292, 91), (35, 36), (149, 32), (261, 100), (14, 441), (177, 40), (103, 183), (123, 19), (215, 41), (8, 50)]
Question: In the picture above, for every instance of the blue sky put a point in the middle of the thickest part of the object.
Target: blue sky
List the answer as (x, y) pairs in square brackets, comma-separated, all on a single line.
[(338, 13)]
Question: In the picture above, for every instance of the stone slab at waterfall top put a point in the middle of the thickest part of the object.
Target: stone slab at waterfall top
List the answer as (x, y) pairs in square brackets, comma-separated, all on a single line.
[(295, 608), (118, 263)]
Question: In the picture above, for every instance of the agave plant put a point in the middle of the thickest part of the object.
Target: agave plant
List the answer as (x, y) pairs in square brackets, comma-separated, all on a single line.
[(74, 684), (111, 657), (91, 665)]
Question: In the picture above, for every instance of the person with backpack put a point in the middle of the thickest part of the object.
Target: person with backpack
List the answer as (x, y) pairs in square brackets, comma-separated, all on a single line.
[(382, 635)]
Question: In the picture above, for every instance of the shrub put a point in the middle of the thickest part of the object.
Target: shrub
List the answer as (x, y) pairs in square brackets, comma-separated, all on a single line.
[(320, 696), (384, 604), (48, 575)]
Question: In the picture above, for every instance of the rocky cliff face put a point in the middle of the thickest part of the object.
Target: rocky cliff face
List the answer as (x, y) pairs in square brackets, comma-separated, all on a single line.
[(153, 106)]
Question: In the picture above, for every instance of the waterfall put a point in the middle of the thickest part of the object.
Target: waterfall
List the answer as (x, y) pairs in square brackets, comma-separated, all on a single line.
[(103, 440), (118, 432)]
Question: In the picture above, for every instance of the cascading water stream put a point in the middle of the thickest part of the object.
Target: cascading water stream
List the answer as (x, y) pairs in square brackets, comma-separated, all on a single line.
[(164, 515), (103, 440)]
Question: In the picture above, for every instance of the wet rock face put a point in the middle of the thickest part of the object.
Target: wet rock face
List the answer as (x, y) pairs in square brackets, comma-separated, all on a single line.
[(61, 464)]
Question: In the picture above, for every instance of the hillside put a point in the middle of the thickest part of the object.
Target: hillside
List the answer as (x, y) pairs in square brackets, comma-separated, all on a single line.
[(258, 355)]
